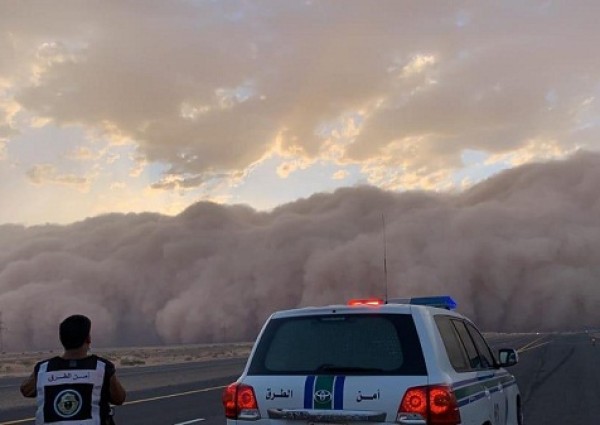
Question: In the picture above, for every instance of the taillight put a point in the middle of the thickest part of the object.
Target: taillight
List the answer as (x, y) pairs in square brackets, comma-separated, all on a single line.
[(434, 403), (239, 402), (415, 401), (442, 404)]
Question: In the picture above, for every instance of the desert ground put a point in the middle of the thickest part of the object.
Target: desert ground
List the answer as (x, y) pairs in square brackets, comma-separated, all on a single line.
[(20, 364)]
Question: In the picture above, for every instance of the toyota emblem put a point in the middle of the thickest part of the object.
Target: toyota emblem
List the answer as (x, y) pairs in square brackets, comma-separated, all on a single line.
[(322, 396)]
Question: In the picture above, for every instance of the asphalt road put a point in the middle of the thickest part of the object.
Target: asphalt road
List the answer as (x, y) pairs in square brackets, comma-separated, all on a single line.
[(558, 376), (186, 393), (560, 381)]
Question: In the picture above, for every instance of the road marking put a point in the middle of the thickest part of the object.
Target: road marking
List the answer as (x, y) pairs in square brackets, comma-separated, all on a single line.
[(193, 421), (528, 345), (534, 346), (161, 397), (202, 390), (20, 421)]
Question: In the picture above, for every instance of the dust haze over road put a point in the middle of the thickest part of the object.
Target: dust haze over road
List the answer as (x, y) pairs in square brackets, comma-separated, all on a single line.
[(519, 251)]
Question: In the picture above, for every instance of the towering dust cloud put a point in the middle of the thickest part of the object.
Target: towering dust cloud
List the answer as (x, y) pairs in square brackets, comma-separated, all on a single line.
[(519, 252)]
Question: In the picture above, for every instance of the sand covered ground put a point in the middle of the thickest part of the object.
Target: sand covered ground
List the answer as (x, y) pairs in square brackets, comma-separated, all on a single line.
[(20, 364)]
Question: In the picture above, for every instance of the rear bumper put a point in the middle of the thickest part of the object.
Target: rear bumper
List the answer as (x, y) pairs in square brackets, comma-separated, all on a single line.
[(327, 416)]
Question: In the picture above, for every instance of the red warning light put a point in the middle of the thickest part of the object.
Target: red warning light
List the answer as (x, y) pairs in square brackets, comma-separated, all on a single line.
[(366, 301)]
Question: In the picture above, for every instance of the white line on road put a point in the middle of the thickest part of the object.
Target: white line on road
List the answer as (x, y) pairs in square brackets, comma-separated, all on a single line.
[(20, 421), (534, 346), (527, 346), (203, 390), (193, 421)]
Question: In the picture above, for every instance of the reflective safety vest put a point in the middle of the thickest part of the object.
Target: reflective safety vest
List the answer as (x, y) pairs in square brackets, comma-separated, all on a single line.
[(69, 396)]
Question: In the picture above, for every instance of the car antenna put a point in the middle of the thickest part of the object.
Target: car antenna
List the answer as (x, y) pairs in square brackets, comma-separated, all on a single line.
[(385, 277)]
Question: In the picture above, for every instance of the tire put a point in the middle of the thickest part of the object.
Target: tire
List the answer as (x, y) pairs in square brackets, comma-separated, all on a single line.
[(519, 412)]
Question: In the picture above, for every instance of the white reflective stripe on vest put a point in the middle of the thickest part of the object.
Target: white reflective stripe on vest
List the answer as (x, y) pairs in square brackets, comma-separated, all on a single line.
[(71, 376)]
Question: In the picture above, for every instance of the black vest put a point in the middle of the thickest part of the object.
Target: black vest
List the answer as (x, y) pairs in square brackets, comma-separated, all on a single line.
[(70, 392)]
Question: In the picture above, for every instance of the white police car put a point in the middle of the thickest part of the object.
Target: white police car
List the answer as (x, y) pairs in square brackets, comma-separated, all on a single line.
[(406, 362)]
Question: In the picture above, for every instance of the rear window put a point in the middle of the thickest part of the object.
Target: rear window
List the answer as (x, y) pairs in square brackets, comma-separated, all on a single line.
[(351, 344)]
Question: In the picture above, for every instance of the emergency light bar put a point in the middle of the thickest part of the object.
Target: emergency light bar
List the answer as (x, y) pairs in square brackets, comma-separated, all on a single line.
[(444, 301)]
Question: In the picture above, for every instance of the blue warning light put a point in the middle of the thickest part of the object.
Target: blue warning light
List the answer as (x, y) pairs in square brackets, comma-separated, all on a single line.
[(444, 301)]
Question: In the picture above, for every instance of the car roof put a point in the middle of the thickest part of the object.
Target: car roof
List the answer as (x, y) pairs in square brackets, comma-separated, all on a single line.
[(392, 308)]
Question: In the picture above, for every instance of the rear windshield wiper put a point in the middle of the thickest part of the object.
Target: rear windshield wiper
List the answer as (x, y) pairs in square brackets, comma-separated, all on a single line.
[(328, 367)]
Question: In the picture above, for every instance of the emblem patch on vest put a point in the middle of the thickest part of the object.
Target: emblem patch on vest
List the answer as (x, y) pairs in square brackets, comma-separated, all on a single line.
[(67, 403)]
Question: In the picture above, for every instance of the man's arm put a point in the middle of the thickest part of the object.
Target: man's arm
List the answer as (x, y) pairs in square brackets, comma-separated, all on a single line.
[(28, 387), (117, 392)]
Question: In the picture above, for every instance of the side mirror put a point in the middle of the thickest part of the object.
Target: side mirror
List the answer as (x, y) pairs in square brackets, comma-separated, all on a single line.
[(508, 357)]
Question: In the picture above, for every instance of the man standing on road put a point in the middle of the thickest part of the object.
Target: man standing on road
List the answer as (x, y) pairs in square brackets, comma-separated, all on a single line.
[(75, 388)]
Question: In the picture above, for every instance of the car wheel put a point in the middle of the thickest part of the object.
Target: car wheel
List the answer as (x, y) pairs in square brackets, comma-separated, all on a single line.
[(519, 412)]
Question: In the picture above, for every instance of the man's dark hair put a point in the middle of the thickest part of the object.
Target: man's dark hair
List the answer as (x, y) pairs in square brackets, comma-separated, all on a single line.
[(74, 330)]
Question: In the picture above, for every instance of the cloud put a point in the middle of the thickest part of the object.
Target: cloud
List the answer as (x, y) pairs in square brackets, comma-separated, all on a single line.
[(290, 166), (519, 252), (340, 175), (209, 87), (47, 173), (417, 65), (84, 153), (170, 182), (8, 110), (117, 186)]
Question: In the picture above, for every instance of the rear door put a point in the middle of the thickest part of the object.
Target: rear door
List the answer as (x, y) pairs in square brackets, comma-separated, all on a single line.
[(463, 357), (483, 391), (340, 367), (495, 386)]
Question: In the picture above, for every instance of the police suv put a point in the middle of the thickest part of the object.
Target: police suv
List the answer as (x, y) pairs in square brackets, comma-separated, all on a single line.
[(412, 362)]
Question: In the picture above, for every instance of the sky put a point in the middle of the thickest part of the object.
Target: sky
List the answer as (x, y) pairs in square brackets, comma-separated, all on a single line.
[(152, 106)]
